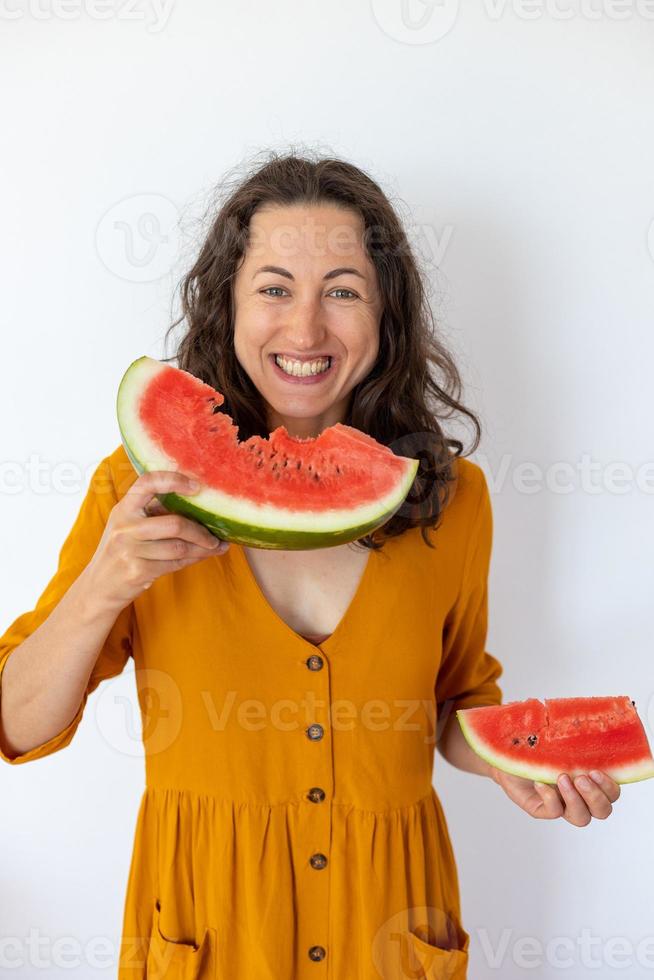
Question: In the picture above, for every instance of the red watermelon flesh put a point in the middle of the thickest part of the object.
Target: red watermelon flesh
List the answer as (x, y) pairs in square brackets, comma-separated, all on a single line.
[(279, 492), (540, 740)]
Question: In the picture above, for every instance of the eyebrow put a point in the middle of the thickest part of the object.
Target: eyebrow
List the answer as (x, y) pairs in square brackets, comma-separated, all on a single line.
[(329, 275)]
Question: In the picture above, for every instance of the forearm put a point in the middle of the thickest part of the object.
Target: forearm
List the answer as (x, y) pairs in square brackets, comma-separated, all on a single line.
[(45, 677), (454, 748)]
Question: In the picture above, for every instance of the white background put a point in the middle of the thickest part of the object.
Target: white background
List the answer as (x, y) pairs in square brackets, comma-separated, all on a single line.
[(517, 142)]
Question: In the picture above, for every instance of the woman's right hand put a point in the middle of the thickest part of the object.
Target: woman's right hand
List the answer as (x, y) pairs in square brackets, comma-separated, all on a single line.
[(142, 540)]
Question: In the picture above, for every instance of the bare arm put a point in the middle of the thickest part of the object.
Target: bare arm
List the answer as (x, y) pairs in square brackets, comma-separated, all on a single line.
[(45, 676), (454, 748)]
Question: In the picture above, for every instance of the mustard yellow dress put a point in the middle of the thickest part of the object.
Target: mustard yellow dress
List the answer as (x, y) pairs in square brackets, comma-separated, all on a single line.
[(288, 828)]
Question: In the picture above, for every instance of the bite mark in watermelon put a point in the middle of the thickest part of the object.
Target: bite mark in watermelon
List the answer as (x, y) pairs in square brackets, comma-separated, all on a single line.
[(540, 740), (279, 492)]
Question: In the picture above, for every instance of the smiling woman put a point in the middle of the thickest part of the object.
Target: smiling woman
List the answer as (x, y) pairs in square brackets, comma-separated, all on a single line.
[(301, 825), (306, 261), (308, 345)]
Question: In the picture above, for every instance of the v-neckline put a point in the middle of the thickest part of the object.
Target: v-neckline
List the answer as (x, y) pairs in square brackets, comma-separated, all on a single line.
[(342, 624)]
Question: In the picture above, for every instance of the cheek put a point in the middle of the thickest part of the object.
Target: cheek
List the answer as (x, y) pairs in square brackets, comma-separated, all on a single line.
[(238, 342), (252, 330), (361, 339)]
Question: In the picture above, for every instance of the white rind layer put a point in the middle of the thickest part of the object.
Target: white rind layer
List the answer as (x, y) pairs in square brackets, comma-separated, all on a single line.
[(264, 516), (545, 774)]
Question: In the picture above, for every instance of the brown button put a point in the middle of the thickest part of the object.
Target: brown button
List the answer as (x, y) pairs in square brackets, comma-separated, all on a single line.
[(316, 794), (314, 662), (317, 953), (315, 732), (318, 861)]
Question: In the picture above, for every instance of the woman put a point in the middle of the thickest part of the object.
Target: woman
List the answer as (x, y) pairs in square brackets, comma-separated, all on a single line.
[(291, 701)]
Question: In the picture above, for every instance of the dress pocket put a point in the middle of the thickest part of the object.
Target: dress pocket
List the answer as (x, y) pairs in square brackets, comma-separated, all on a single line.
[(169, 959), (428, 962)]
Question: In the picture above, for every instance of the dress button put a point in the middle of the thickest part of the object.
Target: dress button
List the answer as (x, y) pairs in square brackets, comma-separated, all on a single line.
[(318, 861), (316, 794), (314, 662), (315, 732), (317, 953)]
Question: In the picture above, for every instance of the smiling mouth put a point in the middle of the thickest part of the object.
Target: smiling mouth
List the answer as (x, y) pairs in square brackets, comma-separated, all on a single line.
[(309, 368), (302, 358)]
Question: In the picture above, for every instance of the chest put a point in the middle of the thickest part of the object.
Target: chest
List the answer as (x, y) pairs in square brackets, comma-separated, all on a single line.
[(310, 590)]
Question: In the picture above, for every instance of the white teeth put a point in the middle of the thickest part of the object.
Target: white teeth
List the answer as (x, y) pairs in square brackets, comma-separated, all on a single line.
[(302, 369)]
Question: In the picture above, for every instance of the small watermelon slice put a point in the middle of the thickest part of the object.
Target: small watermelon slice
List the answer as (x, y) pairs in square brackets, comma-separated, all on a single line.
[(280, 492), (540, 740)]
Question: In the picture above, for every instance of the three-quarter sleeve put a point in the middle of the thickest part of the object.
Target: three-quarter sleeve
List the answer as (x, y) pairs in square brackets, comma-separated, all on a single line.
[(468, 673), (76, 552)]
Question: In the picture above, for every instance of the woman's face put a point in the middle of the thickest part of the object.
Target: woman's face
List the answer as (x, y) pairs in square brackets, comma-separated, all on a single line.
[(306, 290)]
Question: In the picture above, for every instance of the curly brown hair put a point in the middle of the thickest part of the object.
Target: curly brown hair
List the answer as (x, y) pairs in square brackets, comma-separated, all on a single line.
[(414, 383)]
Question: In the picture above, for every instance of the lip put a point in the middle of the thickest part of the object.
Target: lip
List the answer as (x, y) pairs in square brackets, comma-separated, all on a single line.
[(301, 357), (311, 379)]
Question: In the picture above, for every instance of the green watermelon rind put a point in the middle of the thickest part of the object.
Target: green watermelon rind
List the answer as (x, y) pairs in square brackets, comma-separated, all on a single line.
[(276, 528), (621, 774)]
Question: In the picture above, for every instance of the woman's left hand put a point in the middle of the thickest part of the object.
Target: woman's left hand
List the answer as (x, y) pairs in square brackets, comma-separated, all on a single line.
[(576, 802)]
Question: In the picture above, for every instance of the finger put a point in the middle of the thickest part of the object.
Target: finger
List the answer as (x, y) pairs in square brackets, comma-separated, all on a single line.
[(172, 549), (154, 569), (174, 526), (576, 812), (608, 785), (553, 805), (595, 798), (155, 508), (147, 485)]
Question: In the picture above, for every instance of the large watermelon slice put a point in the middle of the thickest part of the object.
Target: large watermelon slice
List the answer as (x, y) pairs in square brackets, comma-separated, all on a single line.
[(540, 741), (278, 492)]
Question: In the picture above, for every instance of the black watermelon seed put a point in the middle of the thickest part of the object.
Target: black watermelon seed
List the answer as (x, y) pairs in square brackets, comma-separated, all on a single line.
[(532, 739), (516, 741)]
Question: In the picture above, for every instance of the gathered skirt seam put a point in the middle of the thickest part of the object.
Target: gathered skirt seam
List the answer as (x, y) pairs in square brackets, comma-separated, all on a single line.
[(285, 803)]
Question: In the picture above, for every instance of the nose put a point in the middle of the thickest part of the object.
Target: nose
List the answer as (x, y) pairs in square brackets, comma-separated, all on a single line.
[(305, 328)]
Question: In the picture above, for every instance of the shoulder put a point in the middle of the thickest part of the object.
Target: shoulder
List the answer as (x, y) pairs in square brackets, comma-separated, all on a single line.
[(466, 516), (468, 491), (114, 474), (461, 538)]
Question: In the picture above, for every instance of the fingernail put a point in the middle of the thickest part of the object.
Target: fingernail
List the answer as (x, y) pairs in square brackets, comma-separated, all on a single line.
[(193, 485), (597, 776), (566, 782), (583, 783)]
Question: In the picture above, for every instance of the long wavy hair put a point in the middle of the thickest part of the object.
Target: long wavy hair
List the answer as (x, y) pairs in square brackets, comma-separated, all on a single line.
[(414, 384)]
